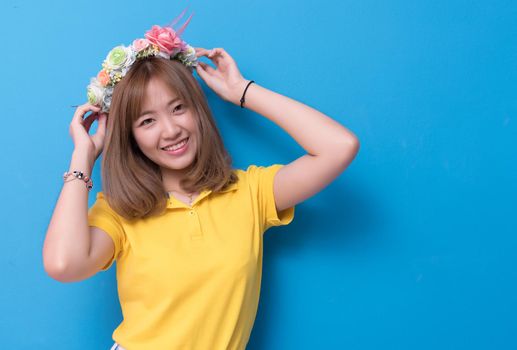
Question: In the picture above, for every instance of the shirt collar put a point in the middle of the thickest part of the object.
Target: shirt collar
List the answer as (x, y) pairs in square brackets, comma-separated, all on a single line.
[(174, 203)]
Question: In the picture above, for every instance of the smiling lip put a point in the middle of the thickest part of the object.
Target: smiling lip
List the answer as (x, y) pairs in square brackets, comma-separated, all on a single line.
[(180, 150), (172, 144)]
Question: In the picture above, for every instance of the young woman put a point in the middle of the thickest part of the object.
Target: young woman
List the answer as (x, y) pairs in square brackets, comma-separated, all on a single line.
[(185, 227)]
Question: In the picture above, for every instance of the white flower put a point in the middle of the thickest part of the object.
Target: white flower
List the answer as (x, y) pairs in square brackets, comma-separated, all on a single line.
[(163, 55), (188, 57), (95, 92), (106, 100)]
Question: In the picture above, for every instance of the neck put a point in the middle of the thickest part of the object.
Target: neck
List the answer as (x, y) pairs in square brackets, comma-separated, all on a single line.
[(181, 192), (171, 179)]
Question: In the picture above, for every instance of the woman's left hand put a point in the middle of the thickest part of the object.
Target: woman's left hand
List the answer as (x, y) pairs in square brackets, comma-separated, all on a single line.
[(225, 80)]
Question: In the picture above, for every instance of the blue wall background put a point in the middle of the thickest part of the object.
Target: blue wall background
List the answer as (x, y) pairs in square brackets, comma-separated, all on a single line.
[(412, 247)]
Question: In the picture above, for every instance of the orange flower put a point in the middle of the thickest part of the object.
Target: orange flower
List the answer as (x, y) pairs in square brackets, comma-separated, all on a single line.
[(103, 77)]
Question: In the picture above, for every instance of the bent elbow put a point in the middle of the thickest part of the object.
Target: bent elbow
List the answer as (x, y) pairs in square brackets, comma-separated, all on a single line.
[(348, 151), (351, 147), (57, 271)]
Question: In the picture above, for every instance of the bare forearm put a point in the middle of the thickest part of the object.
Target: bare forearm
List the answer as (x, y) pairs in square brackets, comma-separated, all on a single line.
[(67, 241), (317, 133)]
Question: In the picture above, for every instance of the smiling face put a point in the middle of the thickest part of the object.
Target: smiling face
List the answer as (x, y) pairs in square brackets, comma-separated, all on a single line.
[(166, 120)]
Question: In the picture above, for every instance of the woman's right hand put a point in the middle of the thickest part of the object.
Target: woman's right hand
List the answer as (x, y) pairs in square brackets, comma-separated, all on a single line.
[(80, 128)]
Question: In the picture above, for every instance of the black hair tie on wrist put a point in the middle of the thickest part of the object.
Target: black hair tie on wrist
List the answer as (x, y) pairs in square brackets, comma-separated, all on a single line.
[(242, 98)]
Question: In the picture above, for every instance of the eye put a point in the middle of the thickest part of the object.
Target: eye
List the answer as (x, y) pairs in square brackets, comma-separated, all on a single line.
[(180, 106), (144, 121)]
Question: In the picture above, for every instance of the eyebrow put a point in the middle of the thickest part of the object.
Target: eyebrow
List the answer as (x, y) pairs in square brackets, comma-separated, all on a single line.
[(168, 104)]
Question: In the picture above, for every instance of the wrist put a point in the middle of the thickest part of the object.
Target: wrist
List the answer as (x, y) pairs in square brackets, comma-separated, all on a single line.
[(238, 91), (82, 160)]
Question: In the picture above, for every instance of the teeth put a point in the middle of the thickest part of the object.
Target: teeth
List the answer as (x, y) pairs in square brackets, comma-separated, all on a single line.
[(176, 146)]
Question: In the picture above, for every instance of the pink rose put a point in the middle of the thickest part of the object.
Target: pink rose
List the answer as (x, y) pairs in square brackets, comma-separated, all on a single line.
[(140, 44), (166, 39)]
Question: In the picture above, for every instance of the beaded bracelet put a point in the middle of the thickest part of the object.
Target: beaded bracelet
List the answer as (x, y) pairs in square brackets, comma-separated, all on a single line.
[(79, 175)]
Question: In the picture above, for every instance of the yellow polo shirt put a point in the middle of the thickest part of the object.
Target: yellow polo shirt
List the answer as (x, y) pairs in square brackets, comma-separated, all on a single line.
[(190, 279)]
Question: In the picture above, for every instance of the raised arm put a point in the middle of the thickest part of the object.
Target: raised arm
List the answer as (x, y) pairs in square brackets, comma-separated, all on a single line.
[(330, 146), (72, 250)]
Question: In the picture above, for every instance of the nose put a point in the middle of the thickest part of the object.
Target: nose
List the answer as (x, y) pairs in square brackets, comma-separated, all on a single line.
[(170, 129)]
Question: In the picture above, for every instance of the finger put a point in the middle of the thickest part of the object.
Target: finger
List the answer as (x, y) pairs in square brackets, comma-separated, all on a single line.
[(226, 56), (219, 55), (206, 73), (207, 68), (219, 51), (200, 71), (213, 54), (82, 110), (88, 121), (101, 127), (202, 52), (214, 59)]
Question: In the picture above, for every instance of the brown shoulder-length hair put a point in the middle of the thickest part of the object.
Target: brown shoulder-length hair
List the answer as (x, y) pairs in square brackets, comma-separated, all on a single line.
[(132, 183)]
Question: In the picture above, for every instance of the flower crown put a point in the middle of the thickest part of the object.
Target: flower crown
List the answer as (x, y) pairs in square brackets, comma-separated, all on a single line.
[(159, 41)]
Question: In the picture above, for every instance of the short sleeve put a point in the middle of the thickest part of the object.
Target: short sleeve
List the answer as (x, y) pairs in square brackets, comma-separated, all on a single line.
[(261, 180), (102, 216)]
